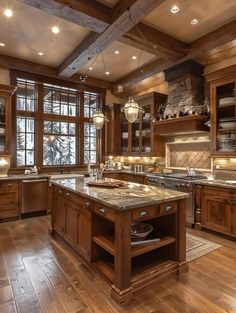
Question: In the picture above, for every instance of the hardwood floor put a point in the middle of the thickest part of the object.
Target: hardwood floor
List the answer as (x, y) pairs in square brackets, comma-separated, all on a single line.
[(39, 274)]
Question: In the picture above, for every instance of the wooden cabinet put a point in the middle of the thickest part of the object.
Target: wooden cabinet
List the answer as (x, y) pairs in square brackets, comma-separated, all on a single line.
[(223, 112), (198, 206), (219, 209), (9, 199), (5, 118), (139, 137), (72, 220)]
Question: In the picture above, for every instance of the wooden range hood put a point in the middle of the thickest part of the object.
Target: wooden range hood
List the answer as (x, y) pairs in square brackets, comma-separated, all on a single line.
[(182, 125)]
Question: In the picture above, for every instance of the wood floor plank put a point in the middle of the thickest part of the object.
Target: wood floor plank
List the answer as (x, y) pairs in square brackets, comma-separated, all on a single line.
[(28, 303), (39, 274)]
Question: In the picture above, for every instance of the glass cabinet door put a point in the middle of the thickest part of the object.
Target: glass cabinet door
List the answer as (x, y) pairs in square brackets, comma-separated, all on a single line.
[(225, 125), (2, 123), (124, 135)]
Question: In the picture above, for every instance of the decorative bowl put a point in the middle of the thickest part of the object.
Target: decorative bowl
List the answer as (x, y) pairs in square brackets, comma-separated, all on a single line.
[(140, 231)]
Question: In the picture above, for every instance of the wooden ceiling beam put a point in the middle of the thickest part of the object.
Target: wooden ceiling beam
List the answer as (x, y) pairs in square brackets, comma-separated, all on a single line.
[(49, 71), (154, 41), (198, 48), (94, 43), (87, 13)]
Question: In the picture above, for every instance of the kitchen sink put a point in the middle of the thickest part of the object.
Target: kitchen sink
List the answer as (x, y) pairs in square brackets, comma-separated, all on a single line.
[(68, 175)]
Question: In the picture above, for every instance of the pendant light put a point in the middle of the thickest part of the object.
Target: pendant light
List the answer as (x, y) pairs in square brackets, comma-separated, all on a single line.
[(131, 110), (98, 117)]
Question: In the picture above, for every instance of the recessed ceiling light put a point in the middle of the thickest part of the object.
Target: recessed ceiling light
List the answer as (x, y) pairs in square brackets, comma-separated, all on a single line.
[(194, 21), (107, 73), (40, 53), (2, 44), (117, 52), (174, 9), (8, 12), (134, 57), (55, 29), (90, 68)]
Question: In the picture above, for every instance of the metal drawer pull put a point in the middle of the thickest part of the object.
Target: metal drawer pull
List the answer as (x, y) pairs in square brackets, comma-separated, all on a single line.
[(231, 202), (67, 194), (143, 214), (102, 211), (59, 191), (168, 208)]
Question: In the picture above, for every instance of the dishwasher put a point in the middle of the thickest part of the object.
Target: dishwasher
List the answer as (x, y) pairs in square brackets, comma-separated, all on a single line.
[(34, 196)]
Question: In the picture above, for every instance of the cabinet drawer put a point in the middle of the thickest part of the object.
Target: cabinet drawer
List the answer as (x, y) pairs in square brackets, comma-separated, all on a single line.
[(145, 213), (104, 211), (9, 185), (82, 202), (225, 193), (9, 212), (168, 208), (8, 199)]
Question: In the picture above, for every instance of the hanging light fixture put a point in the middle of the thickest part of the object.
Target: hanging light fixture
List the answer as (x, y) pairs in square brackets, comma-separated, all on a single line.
[(131, 110), (98, 117)]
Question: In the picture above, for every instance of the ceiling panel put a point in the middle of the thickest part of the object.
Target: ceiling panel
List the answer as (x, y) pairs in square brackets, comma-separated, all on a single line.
[(212, 14), (28, 31), (118, 65)]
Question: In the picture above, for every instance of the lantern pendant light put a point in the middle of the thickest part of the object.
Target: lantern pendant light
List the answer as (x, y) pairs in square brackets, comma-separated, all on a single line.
[(131, 110), (99, 118)]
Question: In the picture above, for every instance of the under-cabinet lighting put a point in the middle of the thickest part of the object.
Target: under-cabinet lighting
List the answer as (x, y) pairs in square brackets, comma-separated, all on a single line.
[(8, 12)]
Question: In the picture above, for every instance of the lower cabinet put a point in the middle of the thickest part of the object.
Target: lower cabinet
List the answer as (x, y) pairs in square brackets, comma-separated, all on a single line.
[(72, 220), (9, 199), (219, 210), (130, 177)]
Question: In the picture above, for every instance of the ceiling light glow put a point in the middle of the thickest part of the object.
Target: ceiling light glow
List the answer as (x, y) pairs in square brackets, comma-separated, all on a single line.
[(2, 44), (90, 68), (174, 9), (134, 57), (8, 12), (55, 29), (107, 73), (194, 21), (117, 52), (40, 53)]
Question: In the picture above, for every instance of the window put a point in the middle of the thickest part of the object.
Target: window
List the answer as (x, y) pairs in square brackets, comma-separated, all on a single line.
[(26, 96), (59, 143), (49, 119), (59, 100), (90, 104), (90, 143), (25, 141)]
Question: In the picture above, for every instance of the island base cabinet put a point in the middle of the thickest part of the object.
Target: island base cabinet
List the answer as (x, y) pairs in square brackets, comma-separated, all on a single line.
[(83, 233), (234, 220), (70, 221), (59, 213)]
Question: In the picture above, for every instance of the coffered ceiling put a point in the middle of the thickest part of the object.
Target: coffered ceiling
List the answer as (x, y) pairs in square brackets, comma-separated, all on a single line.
[(88, 27)]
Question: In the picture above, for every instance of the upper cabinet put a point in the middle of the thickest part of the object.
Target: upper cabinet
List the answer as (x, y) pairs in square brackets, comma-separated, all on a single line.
[(138, 138), (223, 112), (6, 93)]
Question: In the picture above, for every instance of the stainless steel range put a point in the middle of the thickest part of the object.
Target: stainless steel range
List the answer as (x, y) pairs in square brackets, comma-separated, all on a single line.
[(180, 182)]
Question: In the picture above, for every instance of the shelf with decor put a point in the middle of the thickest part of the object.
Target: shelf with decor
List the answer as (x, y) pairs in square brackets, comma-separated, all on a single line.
[(223, 112)]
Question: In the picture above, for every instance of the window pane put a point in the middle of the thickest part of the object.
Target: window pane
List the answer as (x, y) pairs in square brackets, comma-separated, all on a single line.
[(20, 157), (20, 124), (90, 147), (30, 141), (47, 127), (90, 104), (64, 128), (72, 128), (56, 127), (29, 157), (26, 95), (20, 141)]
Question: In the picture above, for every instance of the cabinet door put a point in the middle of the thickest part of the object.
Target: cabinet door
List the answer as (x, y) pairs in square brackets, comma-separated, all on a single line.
[(217, 214), (59, 214), (134, 178), (234, 219), (70, 221), (83, 232)]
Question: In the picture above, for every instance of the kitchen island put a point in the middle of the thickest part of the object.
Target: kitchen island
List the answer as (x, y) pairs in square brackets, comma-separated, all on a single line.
[(96, 223)]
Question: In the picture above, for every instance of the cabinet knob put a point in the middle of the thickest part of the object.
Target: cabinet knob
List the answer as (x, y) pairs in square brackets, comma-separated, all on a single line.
[(143, 214), (168, 208), (102, 210), (87, 205), (67, 193), (231, 202), (59, 191)]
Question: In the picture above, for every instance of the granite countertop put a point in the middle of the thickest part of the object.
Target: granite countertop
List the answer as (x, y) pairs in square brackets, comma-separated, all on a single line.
[(215, 183), (129, 196), (22, 176)]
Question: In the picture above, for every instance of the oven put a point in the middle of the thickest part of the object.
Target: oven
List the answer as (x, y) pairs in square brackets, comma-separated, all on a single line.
[(179, 182)]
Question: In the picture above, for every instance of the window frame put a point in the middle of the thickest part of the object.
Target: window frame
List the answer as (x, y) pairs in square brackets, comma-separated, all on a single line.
[(40, 116)]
